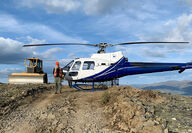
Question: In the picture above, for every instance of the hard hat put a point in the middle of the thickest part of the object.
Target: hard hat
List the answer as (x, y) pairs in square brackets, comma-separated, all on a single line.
[(57, 63)]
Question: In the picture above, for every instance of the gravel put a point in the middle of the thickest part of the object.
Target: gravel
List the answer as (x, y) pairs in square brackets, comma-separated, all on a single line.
[(36, 109)]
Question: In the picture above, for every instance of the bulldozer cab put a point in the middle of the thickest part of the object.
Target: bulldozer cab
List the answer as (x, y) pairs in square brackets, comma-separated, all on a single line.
[(34, 65)]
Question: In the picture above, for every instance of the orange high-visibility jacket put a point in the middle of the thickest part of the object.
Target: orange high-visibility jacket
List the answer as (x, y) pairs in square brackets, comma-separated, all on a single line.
[(57, 73)]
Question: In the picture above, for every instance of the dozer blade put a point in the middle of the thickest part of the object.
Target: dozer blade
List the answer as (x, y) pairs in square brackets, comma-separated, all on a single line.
[(24, 78)]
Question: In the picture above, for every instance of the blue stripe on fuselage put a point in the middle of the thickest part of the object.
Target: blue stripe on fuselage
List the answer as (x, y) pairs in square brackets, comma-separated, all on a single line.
[(123, 68)]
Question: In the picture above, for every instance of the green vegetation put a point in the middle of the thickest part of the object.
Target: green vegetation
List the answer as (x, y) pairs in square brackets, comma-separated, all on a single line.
[(105, 97)]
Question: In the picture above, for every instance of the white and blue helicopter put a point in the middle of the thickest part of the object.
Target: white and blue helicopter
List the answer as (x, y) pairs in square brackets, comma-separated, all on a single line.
[(102, 66)]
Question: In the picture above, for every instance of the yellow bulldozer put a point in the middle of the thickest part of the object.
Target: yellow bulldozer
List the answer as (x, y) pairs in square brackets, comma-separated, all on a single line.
[(34, 73)]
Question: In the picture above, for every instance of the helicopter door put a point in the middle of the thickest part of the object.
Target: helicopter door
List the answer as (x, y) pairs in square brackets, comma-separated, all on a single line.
[(88, 69), (76, 67)]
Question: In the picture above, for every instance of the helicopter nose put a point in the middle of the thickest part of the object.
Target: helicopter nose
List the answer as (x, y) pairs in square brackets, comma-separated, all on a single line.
[(66, 75)]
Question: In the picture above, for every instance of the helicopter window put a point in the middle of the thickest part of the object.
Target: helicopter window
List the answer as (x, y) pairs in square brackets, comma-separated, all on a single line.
[(77, 65), (68, 66), (88, 65)]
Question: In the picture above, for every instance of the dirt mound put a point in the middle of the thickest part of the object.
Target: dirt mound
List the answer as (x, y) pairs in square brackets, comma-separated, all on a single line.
[(127, 110), (118, 109), (13, 95), (145, 111)]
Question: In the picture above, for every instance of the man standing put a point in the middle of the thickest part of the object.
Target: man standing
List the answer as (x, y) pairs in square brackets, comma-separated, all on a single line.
[(57, 72)]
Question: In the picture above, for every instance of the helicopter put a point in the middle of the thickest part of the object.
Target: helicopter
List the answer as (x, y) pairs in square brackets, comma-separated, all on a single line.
[(102, 66)]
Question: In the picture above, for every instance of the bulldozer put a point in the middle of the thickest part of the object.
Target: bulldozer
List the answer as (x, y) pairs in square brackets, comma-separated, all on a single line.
[(34, 73)]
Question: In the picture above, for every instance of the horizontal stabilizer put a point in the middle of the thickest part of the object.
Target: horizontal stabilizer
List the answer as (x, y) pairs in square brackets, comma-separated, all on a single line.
[(181, 70)]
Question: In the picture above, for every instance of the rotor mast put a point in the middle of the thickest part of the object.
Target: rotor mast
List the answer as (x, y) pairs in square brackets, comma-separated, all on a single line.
[(102, 47)]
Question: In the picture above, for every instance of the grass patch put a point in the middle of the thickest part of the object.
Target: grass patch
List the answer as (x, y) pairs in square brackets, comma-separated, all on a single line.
[(105, 98)]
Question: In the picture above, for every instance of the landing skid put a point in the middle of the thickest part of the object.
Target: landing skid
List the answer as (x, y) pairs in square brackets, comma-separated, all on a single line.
[(79, 87)]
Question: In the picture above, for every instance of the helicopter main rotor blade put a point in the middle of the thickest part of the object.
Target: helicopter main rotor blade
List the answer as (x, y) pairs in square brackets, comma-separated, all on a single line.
[(130, 43), (31, 45)]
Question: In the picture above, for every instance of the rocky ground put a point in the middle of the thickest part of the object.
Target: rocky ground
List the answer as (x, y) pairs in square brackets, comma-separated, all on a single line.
[(36, 109), (147, 111)]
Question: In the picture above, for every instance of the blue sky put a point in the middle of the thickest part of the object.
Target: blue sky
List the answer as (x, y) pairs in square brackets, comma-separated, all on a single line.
[(94, 21)]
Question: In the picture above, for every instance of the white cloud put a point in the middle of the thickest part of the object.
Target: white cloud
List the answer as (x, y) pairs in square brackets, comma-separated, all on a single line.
[(7, 71), (183, 29), (141, 9), (34, 40), (9, 24), (189, 2), (53, 51), (153, 53), (179, 29), (49, 53), (12, 56), (92, 7), (53, 6), (12, 51)]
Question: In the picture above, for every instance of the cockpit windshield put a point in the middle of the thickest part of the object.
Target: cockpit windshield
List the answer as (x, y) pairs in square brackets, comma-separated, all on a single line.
[(76, 65), (68, 66)]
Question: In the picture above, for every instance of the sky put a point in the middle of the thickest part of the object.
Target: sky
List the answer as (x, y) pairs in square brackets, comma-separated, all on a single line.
[(95, 21)]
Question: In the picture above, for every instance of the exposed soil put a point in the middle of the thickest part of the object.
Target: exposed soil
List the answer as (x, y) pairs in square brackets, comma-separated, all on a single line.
[(36, 109)]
